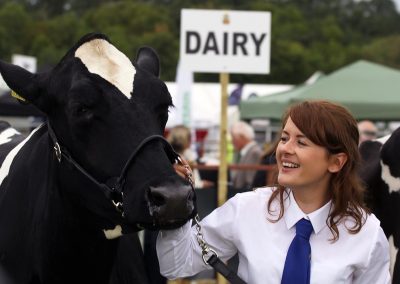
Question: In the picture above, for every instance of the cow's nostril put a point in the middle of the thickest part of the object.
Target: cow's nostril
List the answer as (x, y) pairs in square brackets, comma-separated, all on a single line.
[(156, 197)]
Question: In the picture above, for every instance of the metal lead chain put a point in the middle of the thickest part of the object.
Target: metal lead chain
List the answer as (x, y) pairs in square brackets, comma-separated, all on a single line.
[(205, 249), (57, 150)]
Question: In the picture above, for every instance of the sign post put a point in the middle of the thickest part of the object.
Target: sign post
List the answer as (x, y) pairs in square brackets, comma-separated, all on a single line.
[(218, 41), (222, 192), (223, 131)]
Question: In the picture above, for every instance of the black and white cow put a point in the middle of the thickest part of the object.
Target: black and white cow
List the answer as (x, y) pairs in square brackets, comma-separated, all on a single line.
[(74, 193), (381, 174)]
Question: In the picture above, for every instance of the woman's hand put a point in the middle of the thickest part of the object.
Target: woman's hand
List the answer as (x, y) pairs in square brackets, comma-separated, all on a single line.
[(183, 169)]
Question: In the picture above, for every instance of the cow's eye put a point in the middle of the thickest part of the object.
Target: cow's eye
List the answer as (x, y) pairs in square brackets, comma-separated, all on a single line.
[(82, 111)]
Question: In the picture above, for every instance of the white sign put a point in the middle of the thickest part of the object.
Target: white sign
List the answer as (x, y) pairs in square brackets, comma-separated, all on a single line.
[(27, 62), (225, 41)]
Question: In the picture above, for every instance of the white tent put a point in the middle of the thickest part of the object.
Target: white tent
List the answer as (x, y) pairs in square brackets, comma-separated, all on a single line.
[(206, 101)]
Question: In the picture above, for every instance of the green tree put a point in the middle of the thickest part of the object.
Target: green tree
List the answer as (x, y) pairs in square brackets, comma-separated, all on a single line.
[(138, 24), (384, 51), (55, 37), (307, 35), (16, 30)]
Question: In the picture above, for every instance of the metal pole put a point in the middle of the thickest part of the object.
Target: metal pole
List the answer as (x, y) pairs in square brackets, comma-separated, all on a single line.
[(223, 166)]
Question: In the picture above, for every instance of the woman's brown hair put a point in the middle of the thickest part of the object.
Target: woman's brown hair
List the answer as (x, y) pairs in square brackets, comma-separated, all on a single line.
[(332, 126)]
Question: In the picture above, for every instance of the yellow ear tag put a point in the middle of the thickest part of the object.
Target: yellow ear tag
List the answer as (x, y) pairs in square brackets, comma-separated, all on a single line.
[(18, 97)]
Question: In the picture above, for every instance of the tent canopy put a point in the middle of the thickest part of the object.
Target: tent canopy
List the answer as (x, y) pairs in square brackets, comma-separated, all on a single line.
[(368, 90)]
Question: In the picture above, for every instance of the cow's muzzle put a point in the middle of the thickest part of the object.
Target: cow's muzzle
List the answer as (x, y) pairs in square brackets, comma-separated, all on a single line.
[(171, 204)]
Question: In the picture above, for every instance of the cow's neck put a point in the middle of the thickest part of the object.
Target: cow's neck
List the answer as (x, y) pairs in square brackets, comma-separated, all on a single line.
[(61, 238)]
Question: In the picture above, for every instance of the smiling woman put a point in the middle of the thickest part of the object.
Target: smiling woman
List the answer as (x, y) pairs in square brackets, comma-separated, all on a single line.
[(300, 230), (318, 137), (305, 167)]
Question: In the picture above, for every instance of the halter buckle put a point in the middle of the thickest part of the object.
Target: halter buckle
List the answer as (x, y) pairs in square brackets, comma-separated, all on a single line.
[(118, 206)]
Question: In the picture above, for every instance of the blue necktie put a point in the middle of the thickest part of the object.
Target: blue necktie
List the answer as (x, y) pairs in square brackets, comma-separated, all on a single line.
[(297, 264)]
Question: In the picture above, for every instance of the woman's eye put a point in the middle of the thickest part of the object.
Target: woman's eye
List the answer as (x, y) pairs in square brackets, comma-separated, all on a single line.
[(302, 143), (284, 139)]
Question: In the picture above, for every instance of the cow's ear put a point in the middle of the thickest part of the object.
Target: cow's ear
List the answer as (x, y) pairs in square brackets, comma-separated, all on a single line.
[(148, 60), (21, 81)]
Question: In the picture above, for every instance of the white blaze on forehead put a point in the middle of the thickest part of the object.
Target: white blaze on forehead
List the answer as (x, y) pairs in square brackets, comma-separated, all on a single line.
[(102, 58)]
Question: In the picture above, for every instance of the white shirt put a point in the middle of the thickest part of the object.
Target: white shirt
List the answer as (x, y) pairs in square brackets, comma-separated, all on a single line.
[(241, 225)]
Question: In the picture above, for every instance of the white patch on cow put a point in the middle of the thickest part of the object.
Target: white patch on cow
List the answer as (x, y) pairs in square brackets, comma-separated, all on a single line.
[(102, 58), (141, 238), (5, 168), (393, 252), (6, 135), (383, 139), (392, 182), (114, 233)]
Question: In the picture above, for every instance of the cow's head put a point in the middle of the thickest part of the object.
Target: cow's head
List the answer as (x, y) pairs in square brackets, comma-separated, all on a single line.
[(101, 107)]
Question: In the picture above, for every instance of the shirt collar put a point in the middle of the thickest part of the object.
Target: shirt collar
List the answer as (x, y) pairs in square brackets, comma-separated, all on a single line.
[(293, 214), (246, 148)]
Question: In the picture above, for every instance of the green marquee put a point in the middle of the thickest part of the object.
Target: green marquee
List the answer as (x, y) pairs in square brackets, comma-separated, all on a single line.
[(368, 90)]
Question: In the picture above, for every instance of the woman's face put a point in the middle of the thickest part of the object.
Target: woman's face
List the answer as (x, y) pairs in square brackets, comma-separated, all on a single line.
[(302, 164)]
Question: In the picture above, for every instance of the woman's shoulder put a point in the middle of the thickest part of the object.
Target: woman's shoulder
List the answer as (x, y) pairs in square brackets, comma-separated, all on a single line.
[(250, 202), (256, 192), (370, 223), (257, 195)]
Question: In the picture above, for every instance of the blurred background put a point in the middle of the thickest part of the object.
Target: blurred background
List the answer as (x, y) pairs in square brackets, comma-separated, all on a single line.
[(311, 41), (344, 50), (310, 38), (307, 35)]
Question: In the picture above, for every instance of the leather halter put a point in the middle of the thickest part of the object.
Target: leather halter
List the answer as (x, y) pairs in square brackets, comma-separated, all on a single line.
[(113, 188)]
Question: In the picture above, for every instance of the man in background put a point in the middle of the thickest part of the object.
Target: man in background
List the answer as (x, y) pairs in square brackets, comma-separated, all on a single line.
[(367, 130), (249, 154)]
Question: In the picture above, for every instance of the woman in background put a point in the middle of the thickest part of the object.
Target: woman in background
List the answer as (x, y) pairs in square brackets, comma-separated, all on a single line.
[(180, 139)]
